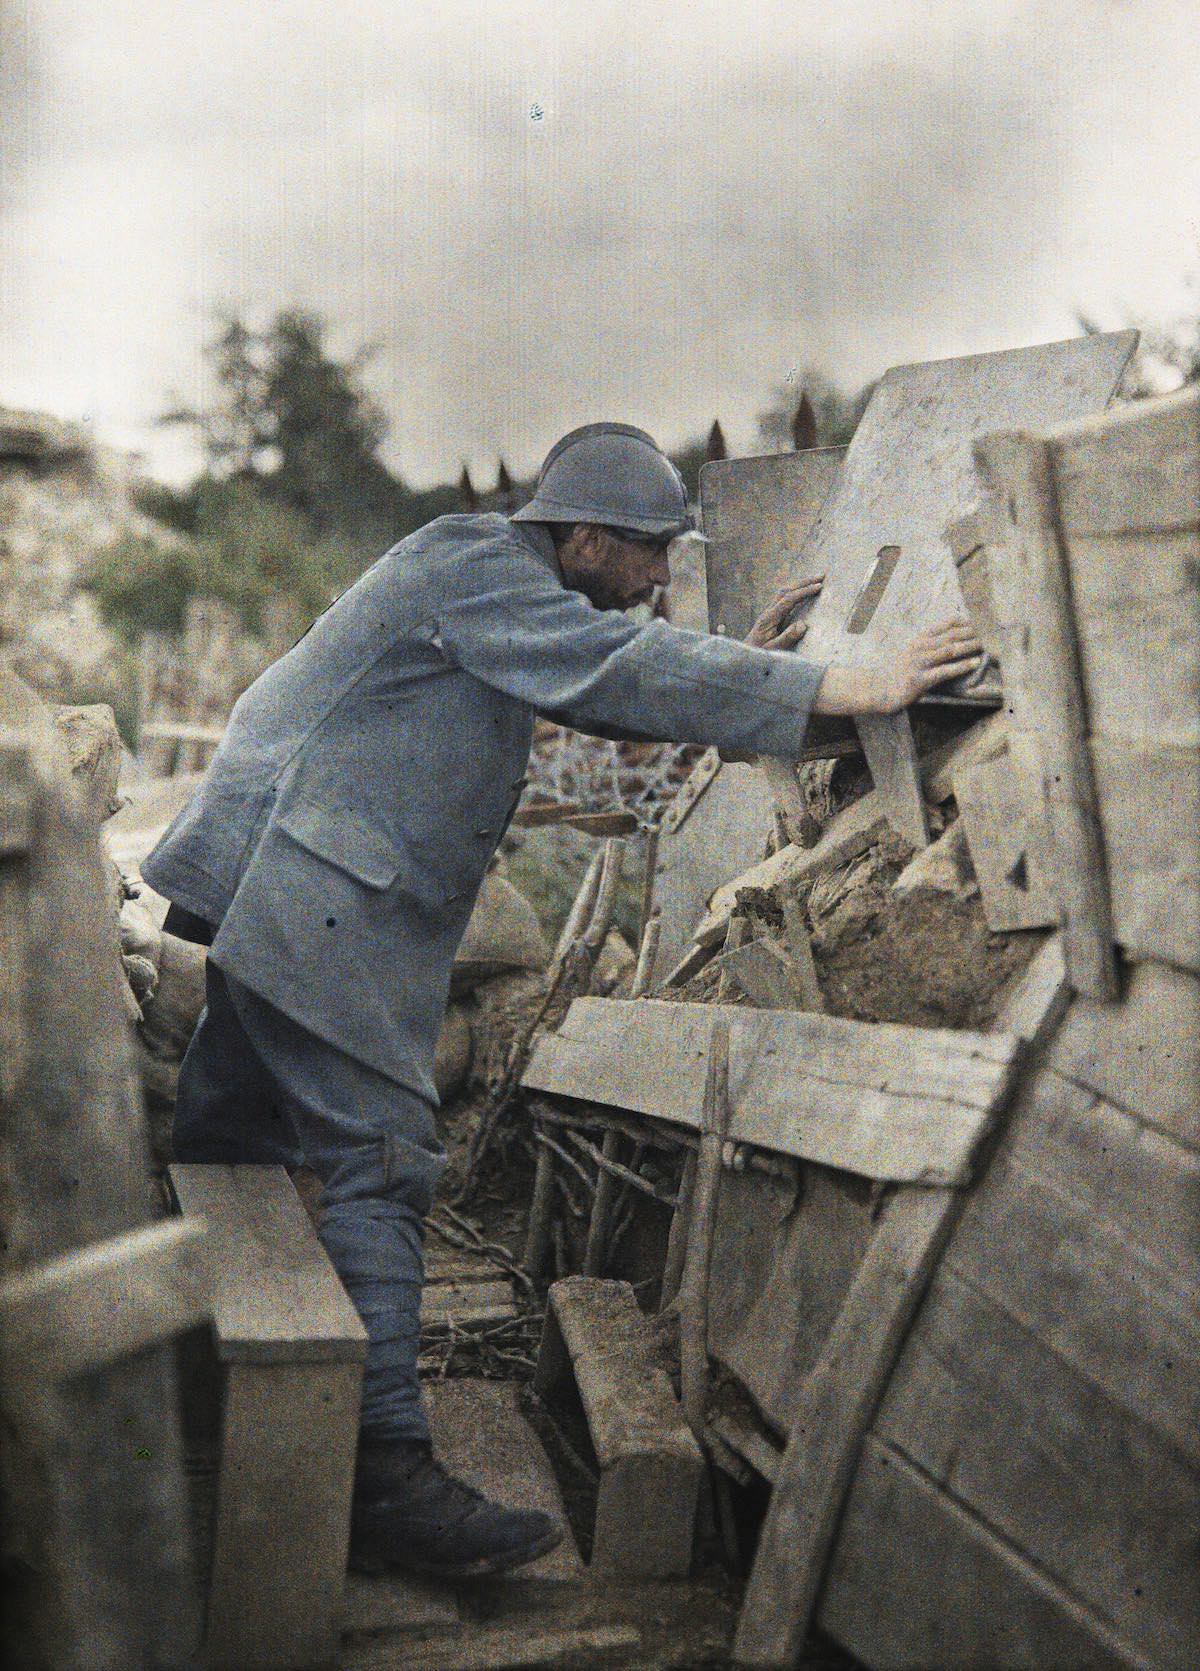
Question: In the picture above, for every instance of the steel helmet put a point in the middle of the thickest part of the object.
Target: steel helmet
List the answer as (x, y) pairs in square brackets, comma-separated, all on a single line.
[(613, 475)]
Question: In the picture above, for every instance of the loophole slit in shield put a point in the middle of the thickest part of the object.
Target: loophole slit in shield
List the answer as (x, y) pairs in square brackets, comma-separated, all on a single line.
[(872, 589)]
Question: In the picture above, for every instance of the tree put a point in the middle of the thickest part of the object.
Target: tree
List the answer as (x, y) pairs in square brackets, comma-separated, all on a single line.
[(830, 419), (299, 425)]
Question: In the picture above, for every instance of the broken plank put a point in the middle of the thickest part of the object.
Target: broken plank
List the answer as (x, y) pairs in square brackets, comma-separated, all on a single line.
[(1004, 847), (763, 971), (890, 1102), (1036, 1001), (891, 752)]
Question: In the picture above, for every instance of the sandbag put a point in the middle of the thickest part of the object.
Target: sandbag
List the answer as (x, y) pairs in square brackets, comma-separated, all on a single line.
[(452, 1060), (503, 933)]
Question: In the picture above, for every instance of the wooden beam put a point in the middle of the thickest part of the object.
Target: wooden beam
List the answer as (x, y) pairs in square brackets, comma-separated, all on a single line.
[(1019, 466), (890, 1102)]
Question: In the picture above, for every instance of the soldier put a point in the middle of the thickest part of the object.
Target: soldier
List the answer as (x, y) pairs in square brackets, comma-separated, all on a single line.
[(336, 846)]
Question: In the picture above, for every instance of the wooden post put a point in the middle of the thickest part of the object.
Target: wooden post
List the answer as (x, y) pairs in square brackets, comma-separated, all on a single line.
[(693, 1289), (597, 1239), (541, 1212), (647, 952), (1020, 467), (677, 1240)]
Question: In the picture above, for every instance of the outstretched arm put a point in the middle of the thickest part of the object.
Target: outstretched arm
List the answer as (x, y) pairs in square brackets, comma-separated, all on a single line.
[(933, 657)]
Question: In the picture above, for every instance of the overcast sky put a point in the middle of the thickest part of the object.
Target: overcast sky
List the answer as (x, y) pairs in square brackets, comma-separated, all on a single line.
[(556, 210)]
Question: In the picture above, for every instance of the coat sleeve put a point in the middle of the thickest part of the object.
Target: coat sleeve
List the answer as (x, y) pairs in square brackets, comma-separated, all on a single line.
[(508, 621)]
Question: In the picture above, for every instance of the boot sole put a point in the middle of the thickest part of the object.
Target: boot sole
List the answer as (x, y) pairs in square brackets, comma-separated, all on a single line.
[(486, 1567)]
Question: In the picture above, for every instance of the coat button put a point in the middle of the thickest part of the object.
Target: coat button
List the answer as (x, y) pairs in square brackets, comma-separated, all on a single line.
[(482, 835)]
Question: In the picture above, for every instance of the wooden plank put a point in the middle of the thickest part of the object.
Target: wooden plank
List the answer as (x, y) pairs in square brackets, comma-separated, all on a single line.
[(1036, 1002), (783, 1262), (1134, 470), (757, 513), (690, 792), (838, 1400), (725, 832), (764, 972), (890, 1102), (908, 472), (1137, 614), (1142, 1054), (891, 752), (692, 1298), (283, 1515), (1019, 466), (980, 741), (837, 1406), (918, 1581), (1086, 1491), (276, 1297), (1129, 1175), (650, 1464), (1088, 1293), (86, 1309), (1150, 812), (1004, 850)]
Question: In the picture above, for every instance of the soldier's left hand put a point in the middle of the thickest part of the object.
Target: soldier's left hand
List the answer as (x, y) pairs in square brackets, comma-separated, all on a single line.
[(775, 629)]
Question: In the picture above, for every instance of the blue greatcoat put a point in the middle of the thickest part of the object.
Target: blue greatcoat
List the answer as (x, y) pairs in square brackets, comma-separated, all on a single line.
[(364, 781)]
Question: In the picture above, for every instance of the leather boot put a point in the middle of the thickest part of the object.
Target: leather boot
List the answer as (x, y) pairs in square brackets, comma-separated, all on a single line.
[(410, 1512)]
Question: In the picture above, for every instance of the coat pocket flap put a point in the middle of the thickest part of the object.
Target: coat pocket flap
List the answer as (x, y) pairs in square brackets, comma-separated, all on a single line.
[(345, 840)]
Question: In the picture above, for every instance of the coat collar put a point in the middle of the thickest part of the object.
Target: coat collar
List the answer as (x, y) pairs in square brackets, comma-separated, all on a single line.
[(538, 538)]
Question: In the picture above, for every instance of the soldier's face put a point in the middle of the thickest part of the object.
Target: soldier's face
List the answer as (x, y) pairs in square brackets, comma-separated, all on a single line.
[(614, 570)]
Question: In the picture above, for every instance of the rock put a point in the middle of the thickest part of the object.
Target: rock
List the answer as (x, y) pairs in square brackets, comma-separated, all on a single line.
[(94, 753), (943, 867), (616, 962)]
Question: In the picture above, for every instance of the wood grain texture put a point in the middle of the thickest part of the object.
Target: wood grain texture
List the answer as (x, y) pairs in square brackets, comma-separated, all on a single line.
[(1089, 1294), (283, 1515), (1005, 849), (829, 1421), (891, 752), (919, 1581), (725, 833), (1143, 1054), (1135, 470), (1019, 467), (887, 1101), (757, 513), (1150, 814), (276, 1297), (1085, 1490)]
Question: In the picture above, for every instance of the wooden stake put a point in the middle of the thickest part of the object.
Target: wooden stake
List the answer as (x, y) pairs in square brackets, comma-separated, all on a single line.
[(541, 1211), (647, 952), (693, 1289), (606, 1183), (808, 987)]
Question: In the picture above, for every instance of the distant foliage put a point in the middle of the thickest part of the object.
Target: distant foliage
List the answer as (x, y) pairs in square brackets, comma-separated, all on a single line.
[(1168, 356), (835, 413)]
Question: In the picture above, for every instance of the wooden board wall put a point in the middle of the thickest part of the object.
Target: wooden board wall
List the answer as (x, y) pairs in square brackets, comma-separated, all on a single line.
[(1041, 1432)]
